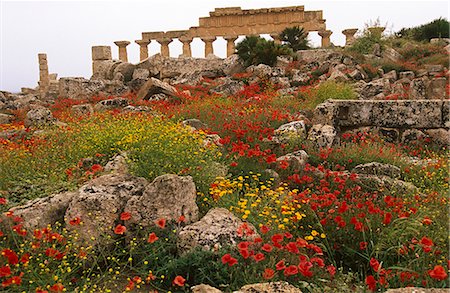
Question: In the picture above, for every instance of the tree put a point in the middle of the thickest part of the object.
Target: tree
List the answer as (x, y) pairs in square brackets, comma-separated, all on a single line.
[(295, 37), (255, 50)]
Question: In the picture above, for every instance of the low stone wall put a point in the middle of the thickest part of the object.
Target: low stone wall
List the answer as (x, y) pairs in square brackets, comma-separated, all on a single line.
[(401, 114)]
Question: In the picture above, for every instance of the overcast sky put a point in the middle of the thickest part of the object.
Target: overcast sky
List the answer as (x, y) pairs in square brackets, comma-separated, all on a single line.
[(66, 30)]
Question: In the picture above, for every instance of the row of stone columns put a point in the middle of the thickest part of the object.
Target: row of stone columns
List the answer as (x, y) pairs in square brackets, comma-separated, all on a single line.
[(186, 41)]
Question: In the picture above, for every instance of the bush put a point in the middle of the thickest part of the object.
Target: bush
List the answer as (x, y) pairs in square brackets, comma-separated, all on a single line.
[(438, 28), (295, 37), (256, 50), (329, 90)]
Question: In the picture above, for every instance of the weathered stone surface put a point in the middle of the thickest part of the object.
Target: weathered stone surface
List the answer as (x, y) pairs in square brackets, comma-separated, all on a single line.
[(381, 183), (233, 65), (261, 70), (393, 114), (338, 76), (392, 55), (101, 53), (118, 164), (273, 287), (217, 228), (195, 123), (39, 117), (126, 70), (41, 212), (418, 290), (155, 86), (83, 109), (6, 118), (104, 69), (324, 136), (319, 55), (228, 87), (391, 75), (418, 88), (412, 135), (100, 202), (326, 113), (295, 130), (407, 74), (440, 136), (168, 196), (375, 168), (78, 87), (437, 89), (202, 288), (296, 160), (111, 104), (373, 88), (141, 73)]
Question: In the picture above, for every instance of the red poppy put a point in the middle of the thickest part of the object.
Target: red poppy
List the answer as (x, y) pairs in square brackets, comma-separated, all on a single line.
[(152, 238), (125, 216), (243, 245), (387, 218), (427, 221), (179, 281), (331, 270), (259, 257), (291, 270), (268, 274), (12, 257), (375, 264), (267, 247), (363, 245), (228, 259), (96, 168), (161, 223), (39, 290), (3, 201), (181, 219), (5, 271), (245, 253), (264, 229), (58, 287), (371, 283), (25, 258), (438, 273), (16, 280), (280, 265), (425, 241), (304, 268), (233, 164), (120, 229), (130, 286), (75, 221)]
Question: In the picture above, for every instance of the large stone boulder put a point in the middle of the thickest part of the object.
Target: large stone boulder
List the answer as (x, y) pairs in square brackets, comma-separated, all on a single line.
[(375, 168), (324, 136), (155, 86), (169, 197), (99, 203), (6, 118), (41, 212), (217, 228), (291, 131), (39, 117), (272, 287), (296, 160), (110, 104), (81, 88)]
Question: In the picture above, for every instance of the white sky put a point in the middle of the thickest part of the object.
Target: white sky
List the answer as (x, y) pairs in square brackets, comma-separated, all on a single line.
[(66, 30)]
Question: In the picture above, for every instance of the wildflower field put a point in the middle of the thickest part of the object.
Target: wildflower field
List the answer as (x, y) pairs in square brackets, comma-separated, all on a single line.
[(320, 228)]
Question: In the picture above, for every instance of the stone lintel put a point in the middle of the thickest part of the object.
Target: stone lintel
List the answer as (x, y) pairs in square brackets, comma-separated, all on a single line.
[(101, 53), (175, 34), (152, 35)]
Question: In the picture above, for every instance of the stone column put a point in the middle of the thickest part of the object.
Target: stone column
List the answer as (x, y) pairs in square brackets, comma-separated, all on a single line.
[(186, 46), (349, 35), (276, 38), (165, 46), (230, 44), (376, 31), (325, 38), (122, 50), (44, 78), (143, 48), (208, 45)]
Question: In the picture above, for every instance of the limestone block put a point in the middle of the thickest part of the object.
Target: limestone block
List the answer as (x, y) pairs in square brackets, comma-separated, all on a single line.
[(101, 53)]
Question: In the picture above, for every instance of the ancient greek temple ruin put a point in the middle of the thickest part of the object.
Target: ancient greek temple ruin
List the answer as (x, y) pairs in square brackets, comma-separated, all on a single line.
[(230, 23)]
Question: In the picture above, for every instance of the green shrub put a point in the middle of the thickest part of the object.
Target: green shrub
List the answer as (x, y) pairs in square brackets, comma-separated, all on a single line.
[(329, 90), (295, 37), (255, 50), (438, 28)]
